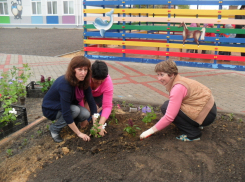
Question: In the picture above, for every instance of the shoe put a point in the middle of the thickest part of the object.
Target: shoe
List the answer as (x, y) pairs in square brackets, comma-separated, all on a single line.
[(185, 139), (56, 136)]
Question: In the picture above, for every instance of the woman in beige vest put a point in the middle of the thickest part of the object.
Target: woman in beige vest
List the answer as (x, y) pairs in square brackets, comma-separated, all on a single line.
[(190, 106)]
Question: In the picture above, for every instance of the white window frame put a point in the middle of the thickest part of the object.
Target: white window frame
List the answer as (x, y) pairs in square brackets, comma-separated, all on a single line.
[(52, 7), (36, 1), (68, 7), (4, 13)]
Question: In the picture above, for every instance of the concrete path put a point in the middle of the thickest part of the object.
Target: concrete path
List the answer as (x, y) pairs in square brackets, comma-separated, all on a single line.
[(137, 82), (41, 42)]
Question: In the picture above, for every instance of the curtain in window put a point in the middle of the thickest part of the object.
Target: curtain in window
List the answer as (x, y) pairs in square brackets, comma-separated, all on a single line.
[(49, 8), (71, 9), (1, 9), (6, 8), (65, 3), (34, 8), (54, 7), (39, 11)]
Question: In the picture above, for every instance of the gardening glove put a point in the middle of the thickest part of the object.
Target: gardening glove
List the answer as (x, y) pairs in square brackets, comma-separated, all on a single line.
[(146, 133)]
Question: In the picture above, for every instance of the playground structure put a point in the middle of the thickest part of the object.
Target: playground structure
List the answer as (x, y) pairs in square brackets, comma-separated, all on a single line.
[(141, 29)]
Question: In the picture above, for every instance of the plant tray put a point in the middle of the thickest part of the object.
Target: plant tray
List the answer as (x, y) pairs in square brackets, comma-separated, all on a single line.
[(34, 90), (20, 122)]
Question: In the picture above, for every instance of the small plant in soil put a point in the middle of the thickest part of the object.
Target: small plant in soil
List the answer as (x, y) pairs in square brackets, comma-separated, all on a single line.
[(9, 152), (95, 128), (131, 128), (47, 127), (240, 120), (150, 114), (130, 105), (231, 116), (124, 103), (113, 115), (52, 122), (39, 132), (24, 142)]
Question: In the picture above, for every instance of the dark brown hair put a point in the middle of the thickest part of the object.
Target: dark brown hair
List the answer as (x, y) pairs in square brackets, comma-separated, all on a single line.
[(168, 67), (78, 62)]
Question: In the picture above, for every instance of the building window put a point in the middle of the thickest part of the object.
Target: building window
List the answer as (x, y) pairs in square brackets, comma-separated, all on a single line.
[(36, 8), (68, 7), (52, 7), (4, 8)]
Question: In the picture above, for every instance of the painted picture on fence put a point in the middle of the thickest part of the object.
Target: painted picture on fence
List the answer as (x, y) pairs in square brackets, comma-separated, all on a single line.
[(104, 25)]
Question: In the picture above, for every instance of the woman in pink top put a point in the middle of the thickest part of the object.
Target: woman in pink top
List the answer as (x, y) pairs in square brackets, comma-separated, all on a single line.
[(187, 99), (102, 91)]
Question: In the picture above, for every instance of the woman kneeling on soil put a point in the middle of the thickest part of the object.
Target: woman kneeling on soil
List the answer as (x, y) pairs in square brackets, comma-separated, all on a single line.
[(60, 102), (191, 105), (102, 91)]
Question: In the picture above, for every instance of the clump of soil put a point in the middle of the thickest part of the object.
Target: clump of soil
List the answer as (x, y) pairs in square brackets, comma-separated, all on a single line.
[(119, 156)]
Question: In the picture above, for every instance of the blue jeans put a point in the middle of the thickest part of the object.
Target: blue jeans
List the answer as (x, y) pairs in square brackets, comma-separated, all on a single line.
[(79, 114)]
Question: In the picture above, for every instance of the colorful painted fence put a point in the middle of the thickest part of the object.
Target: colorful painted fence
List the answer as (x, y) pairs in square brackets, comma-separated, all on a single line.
[(142, 28)]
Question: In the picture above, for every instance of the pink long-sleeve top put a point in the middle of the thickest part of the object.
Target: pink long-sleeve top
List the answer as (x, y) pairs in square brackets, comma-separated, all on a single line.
[(106, 88), (177, 94)]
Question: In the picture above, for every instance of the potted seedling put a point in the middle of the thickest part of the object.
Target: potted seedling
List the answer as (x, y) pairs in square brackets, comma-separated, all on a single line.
[(39, 89)]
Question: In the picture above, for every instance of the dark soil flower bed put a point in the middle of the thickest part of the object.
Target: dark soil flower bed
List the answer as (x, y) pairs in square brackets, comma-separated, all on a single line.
[(119, 156)]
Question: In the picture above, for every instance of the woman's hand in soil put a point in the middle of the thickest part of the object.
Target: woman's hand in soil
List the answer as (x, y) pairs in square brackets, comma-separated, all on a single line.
[(85, 137), (146, 133), (102, 131)]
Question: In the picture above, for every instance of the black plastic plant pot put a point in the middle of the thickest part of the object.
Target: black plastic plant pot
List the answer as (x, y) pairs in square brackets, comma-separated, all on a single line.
[(13, 126), (33, 90)]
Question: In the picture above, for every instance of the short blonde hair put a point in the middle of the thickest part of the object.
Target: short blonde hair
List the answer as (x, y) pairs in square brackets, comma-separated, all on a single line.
[(168, 67)]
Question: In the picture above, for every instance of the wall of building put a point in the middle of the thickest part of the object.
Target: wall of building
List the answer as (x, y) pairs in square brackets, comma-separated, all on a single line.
[(19, 13)]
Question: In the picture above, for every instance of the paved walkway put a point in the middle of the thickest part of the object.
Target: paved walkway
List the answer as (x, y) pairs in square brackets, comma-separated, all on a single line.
[(137, 82)]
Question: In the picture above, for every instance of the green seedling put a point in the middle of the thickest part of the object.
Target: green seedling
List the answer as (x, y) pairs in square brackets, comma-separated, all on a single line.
[(150, 114), (39, 132), (131, 128), (240, 120), (32, 136), (130, 105), (47, 127), (9, 152), (53, 122), (231, 116), (24, 142), (124, 103), (113, 116), (95, 130)]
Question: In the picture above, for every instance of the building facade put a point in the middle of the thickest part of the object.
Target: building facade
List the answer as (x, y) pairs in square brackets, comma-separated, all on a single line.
[(41, 13)]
